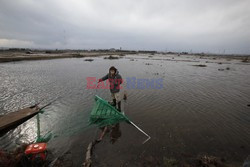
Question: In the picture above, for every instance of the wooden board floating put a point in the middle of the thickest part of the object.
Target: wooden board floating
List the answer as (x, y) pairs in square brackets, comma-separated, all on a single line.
[(13, 119)]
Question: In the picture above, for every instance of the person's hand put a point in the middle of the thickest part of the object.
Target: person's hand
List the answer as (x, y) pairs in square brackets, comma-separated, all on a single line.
[(97, 86)]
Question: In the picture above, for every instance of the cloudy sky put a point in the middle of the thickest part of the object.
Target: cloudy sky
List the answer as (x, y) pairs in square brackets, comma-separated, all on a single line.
[(216, 26)]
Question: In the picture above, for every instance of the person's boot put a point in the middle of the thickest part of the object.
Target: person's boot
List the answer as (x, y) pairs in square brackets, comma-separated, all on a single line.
[(114, 102), (119, 106)]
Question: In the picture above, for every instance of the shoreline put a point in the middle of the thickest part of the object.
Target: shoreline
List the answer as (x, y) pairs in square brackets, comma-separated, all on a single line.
[(8, 56), (12, 56)]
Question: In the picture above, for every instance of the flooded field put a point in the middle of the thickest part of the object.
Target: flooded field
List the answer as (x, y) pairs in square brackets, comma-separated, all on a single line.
[(200, 110)]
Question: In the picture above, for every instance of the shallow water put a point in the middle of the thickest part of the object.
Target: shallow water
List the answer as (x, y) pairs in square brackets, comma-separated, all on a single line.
[(198, 110)]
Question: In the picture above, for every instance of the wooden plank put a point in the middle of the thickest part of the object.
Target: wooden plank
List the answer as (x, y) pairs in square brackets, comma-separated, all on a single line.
[(13, 119)]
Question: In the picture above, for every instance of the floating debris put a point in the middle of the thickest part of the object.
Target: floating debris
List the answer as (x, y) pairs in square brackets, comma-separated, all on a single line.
[(89, 60), (221, 69), (88, 161), (200, 65), (111, 57), (29, 52), (245, 60), (148, 64)]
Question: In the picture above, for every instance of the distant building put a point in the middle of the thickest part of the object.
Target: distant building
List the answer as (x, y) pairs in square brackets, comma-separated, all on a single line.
[(112, 49)]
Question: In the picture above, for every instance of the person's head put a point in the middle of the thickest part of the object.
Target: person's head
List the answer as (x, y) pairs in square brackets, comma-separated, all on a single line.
[(112, 70)]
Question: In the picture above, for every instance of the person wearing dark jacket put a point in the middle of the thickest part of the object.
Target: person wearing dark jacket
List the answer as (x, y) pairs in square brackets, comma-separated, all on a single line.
[(115, 81)]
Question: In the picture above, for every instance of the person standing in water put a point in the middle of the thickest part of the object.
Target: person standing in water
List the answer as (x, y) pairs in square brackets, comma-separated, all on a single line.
[(115, 81)]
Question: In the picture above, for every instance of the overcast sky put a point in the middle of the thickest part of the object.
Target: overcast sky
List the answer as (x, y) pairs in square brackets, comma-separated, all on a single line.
[(165, 25)]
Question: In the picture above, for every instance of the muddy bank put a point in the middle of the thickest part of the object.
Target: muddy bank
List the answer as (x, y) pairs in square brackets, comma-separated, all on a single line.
[(19, 55), (17, 158), (9, 56)]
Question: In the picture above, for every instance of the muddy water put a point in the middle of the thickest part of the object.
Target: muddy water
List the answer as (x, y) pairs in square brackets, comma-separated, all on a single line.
[(199, 110)]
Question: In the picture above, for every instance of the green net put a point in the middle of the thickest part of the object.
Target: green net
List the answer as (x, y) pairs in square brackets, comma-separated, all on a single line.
[(104, 114), (40, 138)]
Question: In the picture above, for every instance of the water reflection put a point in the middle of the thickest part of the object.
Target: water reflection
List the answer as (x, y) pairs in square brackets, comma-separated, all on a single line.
[(113, 131)]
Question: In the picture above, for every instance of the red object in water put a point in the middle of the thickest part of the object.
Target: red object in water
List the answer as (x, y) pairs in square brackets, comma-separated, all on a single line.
[(37, 150)]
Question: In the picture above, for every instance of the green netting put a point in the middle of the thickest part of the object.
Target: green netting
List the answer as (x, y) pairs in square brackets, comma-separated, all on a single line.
[(40, 138), (104, 114)]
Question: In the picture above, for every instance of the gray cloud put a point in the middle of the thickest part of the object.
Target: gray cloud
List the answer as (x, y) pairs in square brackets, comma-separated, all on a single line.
[(178, 25)]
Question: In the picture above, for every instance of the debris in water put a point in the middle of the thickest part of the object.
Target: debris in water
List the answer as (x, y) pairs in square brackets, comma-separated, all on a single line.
[(88, 161), (89, 60), (111, 57), (200, 65), (29, 52), (245, 60)]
